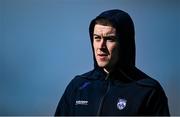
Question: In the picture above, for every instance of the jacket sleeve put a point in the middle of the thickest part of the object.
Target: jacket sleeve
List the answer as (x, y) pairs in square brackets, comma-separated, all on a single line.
[(65, 104), (157, 104)]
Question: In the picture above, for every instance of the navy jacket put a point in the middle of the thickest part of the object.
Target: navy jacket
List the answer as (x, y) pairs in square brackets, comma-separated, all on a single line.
[(96, 93), (124, 91)]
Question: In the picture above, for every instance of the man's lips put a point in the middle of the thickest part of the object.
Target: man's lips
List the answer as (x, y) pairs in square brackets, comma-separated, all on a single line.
[(102, 56)]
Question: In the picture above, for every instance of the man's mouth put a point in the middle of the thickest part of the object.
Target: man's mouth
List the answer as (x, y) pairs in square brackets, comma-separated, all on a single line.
[(102, 57)]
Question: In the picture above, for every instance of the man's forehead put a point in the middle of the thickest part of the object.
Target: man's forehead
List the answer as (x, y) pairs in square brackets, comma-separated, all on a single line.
[(101, 29)]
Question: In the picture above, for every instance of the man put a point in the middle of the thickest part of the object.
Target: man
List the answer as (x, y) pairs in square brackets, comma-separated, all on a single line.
[(115, 86)]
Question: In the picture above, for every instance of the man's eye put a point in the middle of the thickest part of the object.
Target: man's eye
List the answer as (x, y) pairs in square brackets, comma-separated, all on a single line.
[(97, 38), (112, 39)]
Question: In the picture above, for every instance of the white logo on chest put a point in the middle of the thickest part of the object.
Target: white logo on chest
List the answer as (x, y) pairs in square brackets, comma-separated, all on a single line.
[(121, 104), (81, 102)]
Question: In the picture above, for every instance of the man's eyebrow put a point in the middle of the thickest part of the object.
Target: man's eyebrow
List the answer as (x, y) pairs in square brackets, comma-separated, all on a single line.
[(96, 35)]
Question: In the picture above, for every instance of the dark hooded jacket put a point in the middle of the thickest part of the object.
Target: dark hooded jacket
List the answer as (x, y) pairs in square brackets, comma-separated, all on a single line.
[(124, 91)]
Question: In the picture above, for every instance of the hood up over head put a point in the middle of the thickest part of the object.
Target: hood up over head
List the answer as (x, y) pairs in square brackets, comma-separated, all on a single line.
[(124, 26)]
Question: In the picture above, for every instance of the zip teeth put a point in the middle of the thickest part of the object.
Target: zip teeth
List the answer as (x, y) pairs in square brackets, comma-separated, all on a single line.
[(102, 98), (107, 77)]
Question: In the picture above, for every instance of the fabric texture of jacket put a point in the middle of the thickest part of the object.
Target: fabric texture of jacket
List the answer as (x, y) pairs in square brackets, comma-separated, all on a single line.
[(124, 91)]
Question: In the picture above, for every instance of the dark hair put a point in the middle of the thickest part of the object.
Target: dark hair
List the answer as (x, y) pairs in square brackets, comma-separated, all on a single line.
[(104, 22)]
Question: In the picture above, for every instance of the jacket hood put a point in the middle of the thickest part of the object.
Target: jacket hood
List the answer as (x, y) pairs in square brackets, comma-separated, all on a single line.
[(124, 26)]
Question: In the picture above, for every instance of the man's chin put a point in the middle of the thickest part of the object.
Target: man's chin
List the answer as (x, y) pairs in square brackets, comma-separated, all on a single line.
[(102, 65)]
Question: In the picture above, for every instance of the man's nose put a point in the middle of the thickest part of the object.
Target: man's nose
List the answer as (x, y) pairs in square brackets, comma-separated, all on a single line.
[(103, 43)]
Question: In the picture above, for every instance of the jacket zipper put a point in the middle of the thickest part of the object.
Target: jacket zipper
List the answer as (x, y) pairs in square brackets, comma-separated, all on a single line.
[(102, 98)]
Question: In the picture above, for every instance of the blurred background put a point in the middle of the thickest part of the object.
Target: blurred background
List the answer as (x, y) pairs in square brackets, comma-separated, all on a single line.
[(45, 43)]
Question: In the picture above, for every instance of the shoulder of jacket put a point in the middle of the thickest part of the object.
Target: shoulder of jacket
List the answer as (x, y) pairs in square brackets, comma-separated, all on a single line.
[(149, 82), (80, 78), (88, 75)]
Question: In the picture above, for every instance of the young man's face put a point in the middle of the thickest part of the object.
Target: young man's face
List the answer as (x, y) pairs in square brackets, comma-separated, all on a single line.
[(105, 46)]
